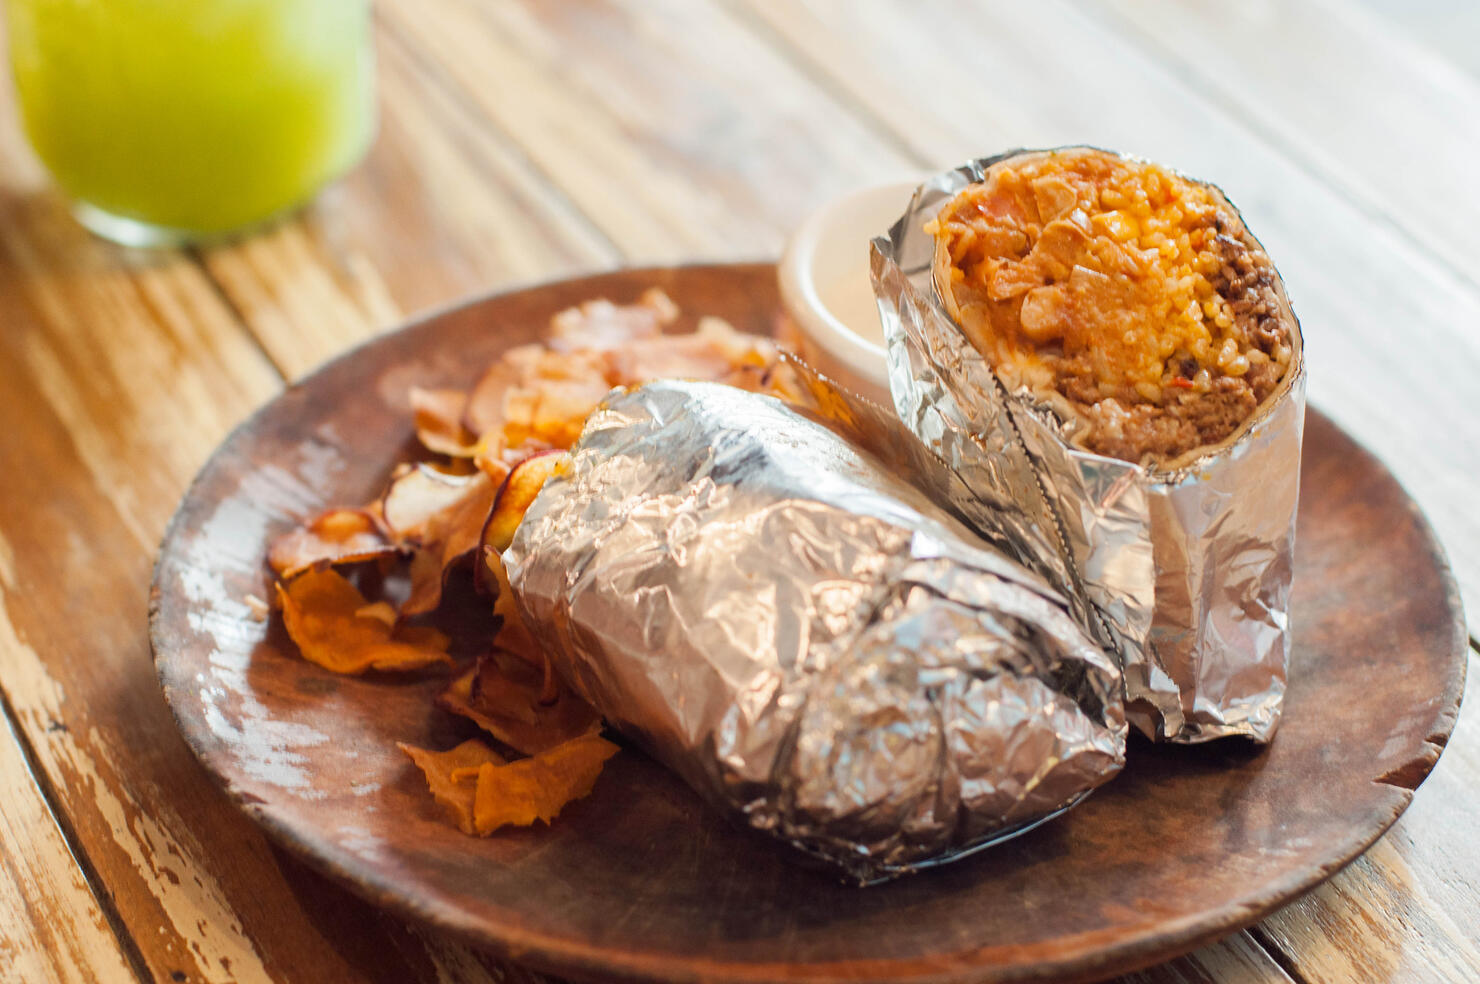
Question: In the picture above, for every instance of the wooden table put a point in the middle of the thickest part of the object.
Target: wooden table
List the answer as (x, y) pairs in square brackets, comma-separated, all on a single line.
[(527, 140)]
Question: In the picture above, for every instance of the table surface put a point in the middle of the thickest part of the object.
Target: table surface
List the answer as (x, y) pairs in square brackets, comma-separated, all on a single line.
[(529, 139)]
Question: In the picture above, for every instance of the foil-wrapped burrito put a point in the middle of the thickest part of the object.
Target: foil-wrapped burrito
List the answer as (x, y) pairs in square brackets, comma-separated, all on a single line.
[(1105, 354), (813, 644)]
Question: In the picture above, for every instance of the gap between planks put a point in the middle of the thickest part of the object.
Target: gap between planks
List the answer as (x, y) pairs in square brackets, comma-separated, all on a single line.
[(128, 949)]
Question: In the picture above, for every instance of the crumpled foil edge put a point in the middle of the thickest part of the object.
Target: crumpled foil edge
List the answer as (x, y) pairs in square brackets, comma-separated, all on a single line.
[(670, 674), (1185, 575)]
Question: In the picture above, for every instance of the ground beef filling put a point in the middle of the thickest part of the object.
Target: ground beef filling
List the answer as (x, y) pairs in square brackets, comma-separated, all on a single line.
[(1128, 291)]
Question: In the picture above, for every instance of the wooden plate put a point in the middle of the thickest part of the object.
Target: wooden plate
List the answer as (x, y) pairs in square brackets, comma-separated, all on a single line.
[(639, 880)]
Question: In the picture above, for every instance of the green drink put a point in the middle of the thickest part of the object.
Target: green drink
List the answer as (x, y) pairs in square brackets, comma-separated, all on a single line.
[(173, 120)]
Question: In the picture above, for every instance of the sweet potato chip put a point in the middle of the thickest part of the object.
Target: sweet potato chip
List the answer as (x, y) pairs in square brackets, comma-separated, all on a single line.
[(534, 393), (416, 495), (321, 611), (335, 536), (712, 352), (559, 409), (600, 324), (515, 496), (452, 776), (439, 421), (447, 537), (503, 695), (383, 611), (484, 412), (502, 441), (513, 636), (538, 788), (494, 458)]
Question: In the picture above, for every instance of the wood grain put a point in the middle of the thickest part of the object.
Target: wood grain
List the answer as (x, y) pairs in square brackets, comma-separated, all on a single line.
[(1354, 279), (441, 207), (1405, 910), (1442, 28), (703, 142), (86, 702), (52, 928), (1238, 960)]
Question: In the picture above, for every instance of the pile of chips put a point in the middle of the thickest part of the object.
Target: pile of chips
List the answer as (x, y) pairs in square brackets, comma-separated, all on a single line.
[(491, 449)]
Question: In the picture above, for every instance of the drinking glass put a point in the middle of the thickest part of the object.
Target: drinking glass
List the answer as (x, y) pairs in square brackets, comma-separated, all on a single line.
[(170, 121)]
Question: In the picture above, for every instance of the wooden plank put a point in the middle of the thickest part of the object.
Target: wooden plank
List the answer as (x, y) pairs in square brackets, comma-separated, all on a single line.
[(1406, 910), (1236, 960), (52, 928), (441, 207), (125, 370), (1361, 288), (1394, 128), (678, 133), (1443, 26), (193, 880)]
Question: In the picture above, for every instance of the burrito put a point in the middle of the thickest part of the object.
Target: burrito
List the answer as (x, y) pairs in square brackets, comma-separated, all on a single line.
[(818, 647), (1114, 331)]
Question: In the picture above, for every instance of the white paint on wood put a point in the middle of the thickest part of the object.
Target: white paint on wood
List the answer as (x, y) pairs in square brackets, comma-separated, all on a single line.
[(1446, 27), (51, 926), (167, 860)]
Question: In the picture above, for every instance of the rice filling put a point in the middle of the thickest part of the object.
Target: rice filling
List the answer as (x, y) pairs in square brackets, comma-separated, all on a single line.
[(1133, 300)]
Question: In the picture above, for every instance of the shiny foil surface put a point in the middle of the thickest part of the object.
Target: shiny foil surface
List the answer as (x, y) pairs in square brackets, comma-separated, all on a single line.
[(1185, 574), (797, 629)]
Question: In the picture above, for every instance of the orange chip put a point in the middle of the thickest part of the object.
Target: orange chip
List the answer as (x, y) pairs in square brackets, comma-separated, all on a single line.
[(560, 408), (321, 611), (417, 495), (494, 458), (335, 536), (448, 536), (513, 501), (515, 496), (713, 352), (382, 611), (503, 696), (513, 636), (600, 324), (503, 440), (534, 393), (538, 788), (452, 776), (439, 426), (484, 412)]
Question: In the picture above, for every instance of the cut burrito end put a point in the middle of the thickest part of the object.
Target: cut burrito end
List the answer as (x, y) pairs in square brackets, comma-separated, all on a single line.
[(1131, 300)]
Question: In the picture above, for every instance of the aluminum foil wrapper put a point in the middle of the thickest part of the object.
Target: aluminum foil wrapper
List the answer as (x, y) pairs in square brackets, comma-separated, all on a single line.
[(812, 642), (1185, 574)]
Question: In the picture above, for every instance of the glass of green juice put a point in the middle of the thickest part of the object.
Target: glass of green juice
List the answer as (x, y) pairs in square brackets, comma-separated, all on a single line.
[(174, 121)]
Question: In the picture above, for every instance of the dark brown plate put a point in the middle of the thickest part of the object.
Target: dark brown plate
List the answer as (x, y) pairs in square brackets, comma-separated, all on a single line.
[(639, 880)]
